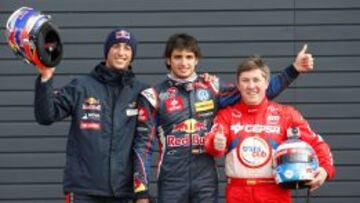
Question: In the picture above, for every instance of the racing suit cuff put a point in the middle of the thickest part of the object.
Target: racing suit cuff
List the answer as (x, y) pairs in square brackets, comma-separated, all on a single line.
[(142, 195), (291, 72), (40, 81), (330, 171)]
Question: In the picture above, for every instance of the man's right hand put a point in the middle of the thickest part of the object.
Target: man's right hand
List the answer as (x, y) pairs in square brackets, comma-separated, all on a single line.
[(220, 139), (143, 201), (46, 73)]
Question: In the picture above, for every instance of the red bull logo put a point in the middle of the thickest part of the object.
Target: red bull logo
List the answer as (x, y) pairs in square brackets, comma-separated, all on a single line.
[(91, 104), (122, 34), (189, 126), (173, 141), (91, 101)]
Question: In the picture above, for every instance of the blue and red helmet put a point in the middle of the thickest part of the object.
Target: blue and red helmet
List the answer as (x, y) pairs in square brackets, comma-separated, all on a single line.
[(32, 37), (295, 163)]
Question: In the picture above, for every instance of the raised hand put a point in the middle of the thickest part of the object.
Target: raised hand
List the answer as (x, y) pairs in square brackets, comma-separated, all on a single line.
[(220, 139), (46, 72), (304, 62)]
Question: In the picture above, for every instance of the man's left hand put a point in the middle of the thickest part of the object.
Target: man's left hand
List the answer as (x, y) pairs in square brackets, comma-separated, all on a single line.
[(208, 77), (320, 176), (304, 62)]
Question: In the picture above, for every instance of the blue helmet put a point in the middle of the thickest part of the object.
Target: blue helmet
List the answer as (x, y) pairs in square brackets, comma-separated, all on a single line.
[(34, 38), (295, 162)]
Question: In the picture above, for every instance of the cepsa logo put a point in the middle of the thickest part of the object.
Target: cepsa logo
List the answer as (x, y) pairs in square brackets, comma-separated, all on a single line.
[(173, 141), (255, 128)]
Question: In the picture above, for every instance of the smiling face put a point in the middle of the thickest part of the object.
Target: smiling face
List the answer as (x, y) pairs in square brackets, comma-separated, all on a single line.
[(252, 85), (182, 63), (119, 56)]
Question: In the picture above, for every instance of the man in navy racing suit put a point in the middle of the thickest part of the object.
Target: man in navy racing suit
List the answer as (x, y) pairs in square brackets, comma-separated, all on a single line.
[(177, 113)]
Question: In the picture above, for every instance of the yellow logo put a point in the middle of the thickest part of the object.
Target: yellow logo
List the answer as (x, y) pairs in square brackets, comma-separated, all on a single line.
[(141, 187), (204, 106)]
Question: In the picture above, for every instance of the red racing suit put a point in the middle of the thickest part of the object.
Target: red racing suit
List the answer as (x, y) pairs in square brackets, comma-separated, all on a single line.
[(253, 133)]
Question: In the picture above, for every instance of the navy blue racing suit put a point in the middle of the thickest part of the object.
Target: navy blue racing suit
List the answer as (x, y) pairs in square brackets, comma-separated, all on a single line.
[(178, 115)]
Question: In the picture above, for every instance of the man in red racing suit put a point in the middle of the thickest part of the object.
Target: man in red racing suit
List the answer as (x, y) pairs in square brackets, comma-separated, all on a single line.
[(248, 134)]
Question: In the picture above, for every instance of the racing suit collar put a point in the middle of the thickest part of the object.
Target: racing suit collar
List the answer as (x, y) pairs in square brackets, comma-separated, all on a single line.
[(111, 76), (190, 79), (254, 108)]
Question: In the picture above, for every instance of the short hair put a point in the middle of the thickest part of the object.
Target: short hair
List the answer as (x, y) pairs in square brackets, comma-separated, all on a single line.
[(252, 63), (181, 41)]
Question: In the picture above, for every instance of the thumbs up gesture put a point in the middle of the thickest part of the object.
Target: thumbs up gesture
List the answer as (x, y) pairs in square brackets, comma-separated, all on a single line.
[(220, 139), (304, 62)]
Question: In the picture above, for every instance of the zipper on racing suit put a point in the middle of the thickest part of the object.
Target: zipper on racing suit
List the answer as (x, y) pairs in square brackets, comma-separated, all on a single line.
[(192, 116)]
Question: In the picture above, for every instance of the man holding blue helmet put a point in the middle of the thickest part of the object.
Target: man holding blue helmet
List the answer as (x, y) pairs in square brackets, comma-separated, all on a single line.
[(249, 132)]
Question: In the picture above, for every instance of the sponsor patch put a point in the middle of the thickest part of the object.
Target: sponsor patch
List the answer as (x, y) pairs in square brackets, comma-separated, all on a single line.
[(142, 114), (273, 119), (139, 186), (173, 141), (91, 103), (174, 104), (255, 128), (204, 106), (189, 126), (205, 114), (254, 152), (91, 116), (131, 112), (202, 95), (90, 125), (172, 91)]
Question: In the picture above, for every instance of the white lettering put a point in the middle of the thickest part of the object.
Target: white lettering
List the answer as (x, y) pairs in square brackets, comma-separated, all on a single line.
[(255, 128)]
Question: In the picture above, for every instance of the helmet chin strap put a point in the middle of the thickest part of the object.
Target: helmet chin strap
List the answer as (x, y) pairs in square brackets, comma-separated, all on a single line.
[(308, 195)]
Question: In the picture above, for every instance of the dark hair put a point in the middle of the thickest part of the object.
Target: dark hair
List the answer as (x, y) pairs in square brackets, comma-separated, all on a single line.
[(252, 63), (181, 41)]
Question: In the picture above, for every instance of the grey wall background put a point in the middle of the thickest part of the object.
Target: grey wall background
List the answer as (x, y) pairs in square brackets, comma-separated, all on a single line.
[(32, 156)]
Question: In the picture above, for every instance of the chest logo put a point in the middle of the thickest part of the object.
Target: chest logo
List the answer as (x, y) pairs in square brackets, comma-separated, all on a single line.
[(254, 152), (204, 106), (174, 104), (202, 95), (91, 103)]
